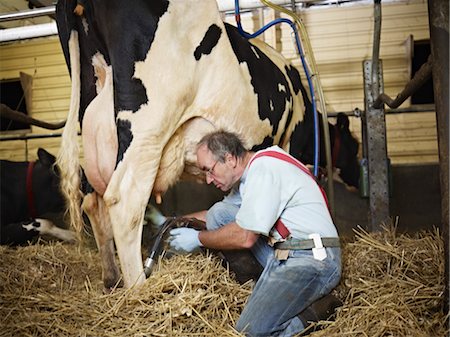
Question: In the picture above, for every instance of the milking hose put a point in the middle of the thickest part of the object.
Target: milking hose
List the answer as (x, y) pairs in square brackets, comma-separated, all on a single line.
[(156, 249)]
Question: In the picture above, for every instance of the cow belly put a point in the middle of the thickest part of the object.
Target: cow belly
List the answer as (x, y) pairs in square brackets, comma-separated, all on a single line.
[(99, 133)]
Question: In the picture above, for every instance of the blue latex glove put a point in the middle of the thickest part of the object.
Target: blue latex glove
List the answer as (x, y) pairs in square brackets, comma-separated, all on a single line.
[(184, 239)]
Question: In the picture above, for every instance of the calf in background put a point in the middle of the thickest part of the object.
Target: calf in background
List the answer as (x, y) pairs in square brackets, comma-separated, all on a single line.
[(29, 193)]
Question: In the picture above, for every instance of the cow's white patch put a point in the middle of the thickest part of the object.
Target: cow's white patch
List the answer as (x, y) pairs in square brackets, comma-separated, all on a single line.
[(47, 227), (271, 105), (30, 227), (255, 52), (281, 88)]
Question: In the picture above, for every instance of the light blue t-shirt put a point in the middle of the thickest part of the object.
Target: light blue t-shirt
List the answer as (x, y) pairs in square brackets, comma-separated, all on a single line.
[(271, 188)]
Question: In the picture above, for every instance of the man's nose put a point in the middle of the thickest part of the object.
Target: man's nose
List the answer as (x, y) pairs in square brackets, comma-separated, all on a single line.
[(209, 179)]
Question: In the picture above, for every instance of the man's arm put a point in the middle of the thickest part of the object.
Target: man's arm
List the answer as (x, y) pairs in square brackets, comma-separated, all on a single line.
[(230, 236)]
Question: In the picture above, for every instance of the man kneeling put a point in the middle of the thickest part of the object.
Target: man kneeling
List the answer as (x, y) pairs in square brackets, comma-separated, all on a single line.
[(276, 209)]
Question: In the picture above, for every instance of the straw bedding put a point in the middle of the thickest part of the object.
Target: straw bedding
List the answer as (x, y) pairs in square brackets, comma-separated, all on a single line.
[(392, 286)]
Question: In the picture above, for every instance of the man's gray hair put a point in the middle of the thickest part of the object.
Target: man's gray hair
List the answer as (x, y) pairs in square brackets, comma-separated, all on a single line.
[(222, 142)]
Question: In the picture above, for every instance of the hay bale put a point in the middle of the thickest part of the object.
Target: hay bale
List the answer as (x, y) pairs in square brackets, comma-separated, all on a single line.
[(392, 286)]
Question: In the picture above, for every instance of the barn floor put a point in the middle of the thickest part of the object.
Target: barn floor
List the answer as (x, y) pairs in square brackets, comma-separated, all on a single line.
[(415, 200)]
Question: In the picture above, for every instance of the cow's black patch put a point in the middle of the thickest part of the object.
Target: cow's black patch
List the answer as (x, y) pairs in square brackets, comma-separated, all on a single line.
[(268, 141), (295, 78), (208, 42), (125, 137), (270, 84), (123, 33)]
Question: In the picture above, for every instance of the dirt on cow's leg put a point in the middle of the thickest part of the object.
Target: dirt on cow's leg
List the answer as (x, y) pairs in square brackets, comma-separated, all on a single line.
[(94, 207)]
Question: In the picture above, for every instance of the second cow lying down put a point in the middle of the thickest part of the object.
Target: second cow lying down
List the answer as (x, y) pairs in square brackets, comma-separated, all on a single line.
[(29, 191)]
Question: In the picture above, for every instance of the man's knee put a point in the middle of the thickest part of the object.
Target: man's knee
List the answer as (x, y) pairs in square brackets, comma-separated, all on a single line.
[(220, 214)]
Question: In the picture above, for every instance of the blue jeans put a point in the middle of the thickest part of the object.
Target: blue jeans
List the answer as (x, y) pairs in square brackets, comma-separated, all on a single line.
[(285, 288)]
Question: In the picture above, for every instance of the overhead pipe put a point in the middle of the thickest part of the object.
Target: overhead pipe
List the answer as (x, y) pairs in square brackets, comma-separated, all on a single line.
[(228, 5), (32, 13), (28, 32)]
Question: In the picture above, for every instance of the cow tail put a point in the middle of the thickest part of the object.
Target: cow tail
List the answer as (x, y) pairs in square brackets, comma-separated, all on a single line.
[(68, 156)]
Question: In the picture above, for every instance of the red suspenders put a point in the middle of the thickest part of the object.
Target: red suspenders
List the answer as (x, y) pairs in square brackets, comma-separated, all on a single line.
[(279, 225)]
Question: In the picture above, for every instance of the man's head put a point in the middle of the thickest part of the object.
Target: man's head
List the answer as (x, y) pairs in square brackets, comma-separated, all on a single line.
[(221, 155)]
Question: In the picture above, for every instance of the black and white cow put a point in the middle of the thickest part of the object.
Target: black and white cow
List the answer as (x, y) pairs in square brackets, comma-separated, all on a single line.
[(29, 191), (149, 79)]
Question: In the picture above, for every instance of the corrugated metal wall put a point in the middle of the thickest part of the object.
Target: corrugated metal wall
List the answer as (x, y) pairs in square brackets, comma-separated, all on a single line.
[(341, 38)]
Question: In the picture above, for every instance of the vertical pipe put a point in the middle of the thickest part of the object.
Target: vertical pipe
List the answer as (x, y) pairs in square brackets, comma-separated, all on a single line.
[(376, 47), (375, 132), (438, 12)]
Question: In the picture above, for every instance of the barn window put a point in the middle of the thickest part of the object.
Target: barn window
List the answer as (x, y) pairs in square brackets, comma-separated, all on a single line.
[(424, 95), (16, 94)]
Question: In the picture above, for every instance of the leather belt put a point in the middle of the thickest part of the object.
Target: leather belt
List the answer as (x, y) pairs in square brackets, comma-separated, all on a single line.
[(293, 244)]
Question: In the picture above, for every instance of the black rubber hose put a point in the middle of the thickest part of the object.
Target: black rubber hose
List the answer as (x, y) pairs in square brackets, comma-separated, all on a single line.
[(156, 249)]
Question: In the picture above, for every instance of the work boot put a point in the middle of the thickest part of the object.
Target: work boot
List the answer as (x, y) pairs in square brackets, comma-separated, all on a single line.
[(242, 263), (321, 310)]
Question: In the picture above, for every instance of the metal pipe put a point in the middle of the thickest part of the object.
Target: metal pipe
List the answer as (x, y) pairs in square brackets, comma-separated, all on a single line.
[(228, 5), (29, 136), (28, 32), (27, 14), (413, 109), (420, 77), (376, 47)]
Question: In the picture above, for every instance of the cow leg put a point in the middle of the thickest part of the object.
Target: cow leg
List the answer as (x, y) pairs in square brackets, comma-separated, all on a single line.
[(46, 227), (126, 197), (94, 207), (127, 226)]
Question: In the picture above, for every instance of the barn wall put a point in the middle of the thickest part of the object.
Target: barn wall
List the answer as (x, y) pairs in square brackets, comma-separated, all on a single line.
[(341, 38), (43, 60)]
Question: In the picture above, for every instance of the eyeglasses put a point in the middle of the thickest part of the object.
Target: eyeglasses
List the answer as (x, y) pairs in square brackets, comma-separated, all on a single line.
[(210, 172)]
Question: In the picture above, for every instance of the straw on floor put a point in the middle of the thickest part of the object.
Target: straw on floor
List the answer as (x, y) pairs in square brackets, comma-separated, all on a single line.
[(392, 286)]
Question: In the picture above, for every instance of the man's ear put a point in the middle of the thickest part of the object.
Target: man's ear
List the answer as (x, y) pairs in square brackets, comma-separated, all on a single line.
[(230, 160)]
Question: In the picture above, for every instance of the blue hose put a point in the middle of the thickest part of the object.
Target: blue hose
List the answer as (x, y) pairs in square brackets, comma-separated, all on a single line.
[(308, 76)]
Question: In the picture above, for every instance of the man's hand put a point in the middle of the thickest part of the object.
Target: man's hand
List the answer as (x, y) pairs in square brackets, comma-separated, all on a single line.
[(184, 239)]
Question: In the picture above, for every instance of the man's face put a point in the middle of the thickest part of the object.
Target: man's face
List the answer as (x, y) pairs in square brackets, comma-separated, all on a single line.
[(221, 174)]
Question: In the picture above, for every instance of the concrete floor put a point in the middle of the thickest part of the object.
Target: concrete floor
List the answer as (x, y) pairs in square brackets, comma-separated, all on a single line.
[(415, 199)]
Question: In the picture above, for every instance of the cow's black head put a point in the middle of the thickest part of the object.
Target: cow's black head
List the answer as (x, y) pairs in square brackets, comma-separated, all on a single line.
[(345, 151), (46, 184)]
